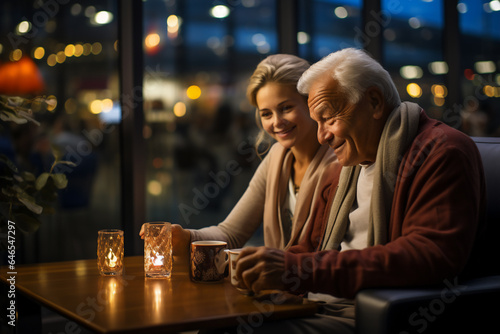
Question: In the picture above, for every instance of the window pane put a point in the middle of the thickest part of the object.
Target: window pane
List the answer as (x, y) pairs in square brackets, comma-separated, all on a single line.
[(69, 50), (413, 52), (199, 127), (480, 28), (327, 26)]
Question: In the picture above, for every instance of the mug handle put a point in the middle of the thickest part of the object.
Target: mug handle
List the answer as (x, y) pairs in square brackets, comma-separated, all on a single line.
[(222, 260)]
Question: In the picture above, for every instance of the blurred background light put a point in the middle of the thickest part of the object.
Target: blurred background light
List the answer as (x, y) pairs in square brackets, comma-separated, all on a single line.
[(23, 27), (438, 67), (89, 11), (180, 109), (414, 23), (485, 67), (154, 188), (78, 50), (51, 60), (303, 37), (219, 11), (411, 72), (76, 9), (87, 49), (60, 57), (462, 8), (16, 55), (414, 90), (106, 105), (495, 5), (96, 48), (341, 12), (193, 92), (103, 17), (439, 91), (95, 107), (489, 91), (39, 53), (152, 40), (69, 50), (469, 74)]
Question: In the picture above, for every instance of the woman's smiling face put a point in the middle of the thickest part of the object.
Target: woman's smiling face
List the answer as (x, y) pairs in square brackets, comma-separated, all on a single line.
[(284, 113)]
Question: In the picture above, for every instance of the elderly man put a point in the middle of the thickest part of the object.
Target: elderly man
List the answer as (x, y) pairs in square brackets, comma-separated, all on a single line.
[(407, 207)]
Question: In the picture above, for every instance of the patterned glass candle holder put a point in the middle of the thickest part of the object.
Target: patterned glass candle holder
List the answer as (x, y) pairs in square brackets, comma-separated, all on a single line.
[(110, 252), (157, 249)]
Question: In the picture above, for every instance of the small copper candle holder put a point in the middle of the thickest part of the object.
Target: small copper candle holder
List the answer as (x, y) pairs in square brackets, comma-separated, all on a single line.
[(110, 252), (157, 249)]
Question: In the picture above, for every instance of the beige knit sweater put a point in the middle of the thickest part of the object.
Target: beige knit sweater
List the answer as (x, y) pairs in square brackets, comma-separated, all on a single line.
[(265, 197)]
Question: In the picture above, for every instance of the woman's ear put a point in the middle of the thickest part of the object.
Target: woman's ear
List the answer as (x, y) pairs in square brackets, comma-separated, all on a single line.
[(377, 101)]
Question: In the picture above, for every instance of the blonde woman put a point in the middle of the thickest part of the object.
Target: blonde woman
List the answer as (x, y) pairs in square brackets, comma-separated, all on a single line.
[(288, 183)]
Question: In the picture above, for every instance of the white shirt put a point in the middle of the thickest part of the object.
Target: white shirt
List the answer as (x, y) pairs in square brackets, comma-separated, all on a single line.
[(288, 211), (357, 233)]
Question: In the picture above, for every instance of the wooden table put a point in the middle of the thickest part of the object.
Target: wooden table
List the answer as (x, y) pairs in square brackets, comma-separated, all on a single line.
[(132, 303)]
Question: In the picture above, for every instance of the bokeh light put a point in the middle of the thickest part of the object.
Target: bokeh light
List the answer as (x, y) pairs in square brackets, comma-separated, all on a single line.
[(180, 109), (414, 90), (193, 92)]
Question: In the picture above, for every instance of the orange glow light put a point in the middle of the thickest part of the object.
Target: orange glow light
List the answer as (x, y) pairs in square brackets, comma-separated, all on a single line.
[(21, 78)]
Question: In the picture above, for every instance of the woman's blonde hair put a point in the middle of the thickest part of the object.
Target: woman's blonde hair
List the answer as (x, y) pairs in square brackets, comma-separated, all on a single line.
[(283, 69)]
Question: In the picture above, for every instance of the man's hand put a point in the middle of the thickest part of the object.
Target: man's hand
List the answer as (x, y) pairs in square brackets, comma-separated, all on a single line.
[(260, 268)]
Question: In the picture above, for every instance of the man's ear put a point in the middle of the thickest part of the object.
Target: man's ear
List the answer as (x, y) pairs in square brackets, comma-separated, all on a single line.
[(376, 101)]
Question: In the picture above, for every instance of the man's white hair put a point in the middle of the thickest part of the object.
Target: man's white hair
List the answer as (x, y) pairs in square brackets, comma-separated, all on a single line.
[(355, 71)]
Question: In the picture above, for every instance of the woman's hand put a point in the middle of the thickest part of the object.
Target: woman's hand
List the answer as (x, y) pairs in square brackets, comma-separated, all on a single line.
[(181, 239)]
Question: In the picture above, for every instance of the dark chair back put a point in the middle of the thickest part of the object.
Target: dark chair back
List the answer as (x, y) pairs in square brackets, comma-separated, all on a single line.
[(487, 252)]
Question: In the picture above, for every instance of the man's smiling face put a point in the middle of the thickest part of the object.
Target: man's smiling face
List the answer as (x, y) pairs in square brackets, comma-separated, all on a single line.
[(350, 129)]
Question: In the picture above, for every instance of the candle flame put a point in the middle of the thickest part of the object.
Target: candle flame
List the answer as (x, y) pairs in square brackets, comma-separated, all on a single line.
[(158, 261), (112, 259)]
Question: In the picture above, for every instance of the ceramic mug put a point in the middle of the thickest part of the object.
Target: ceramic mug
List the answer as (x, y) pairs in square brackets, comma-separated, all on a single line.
[(233, 255), (208, 261)]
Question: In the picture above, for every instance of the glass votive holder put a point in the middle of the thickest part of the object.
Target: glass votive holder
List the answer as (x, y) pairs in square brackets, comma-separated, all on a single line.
[(157, 249), (110, 252)]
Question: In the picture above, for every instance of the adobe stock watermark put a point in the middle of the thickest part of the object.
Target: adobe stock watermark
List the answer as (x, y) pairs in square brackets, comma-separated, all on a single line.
[(255, 319), (88, 308), (220, 180), (375, 26), (421, 318)]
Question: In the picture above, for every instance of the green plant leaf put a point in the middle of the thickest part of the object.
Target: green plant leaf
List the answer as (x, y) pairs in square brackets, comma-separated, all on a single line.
[(29, 202), (8, 191), (41, 181), (30, 177), (15, 101), (60, 180), (10, 164), (57, 152), (8, 116), (69, 163), (26, 223)]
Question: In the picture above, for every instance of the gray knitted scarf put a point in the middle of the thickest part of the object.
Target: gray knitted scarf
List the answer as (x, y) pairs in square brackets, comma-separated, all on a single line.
[(399, 132)]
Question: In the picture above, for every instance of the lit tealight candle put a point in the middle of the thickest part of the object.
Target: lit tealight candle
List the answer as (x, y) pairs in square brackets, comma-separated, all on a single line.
[(158, 261), (112, 259)]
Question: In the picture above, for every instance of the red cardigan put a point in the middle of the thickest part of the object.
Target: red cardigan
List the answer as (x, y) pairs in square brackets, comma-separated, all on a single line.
[(439, 200)]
